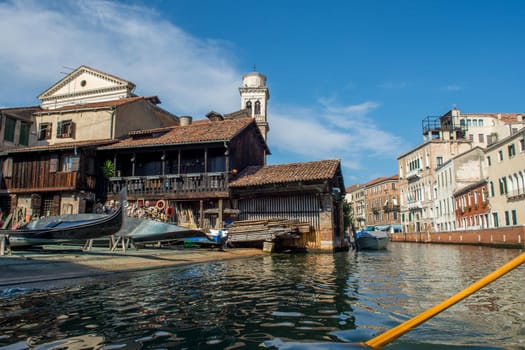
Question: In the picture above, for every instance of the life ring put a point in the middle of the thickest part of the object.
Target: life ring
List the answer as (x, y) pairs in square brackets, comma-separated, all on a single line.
[(160, 204), (170, 212)]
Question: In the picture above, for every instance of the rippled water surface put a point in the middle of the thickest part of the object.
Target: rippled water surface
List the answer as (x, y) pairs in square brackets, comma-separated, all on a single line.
[(310, 301)]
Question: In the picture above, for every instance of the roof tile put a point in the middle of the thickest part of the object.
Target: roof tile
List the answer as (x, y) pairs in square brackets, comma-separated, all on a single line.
[(202, 131), (286, 173)]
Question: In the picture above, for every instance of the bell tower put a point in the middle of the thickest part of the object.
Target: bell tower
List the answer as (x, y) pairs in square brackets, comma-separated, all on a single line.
[(254, 98)]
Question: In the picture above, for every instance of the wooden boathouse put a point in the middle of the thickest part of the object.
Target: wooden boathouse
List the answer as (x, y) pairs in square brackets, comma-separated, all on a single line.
[(308, 193), (181, 174)]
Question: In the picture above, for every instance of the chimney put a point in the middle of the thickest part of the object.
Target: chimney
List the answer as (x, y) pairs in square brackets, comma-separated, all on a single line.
[(185, 120)]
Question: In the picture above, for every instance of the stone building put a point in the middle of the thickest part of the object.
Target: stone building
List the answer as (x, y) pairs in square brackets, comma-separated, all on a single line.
[(382, 198), (505, 162), (443, 138), (356, 197), (453, 178)]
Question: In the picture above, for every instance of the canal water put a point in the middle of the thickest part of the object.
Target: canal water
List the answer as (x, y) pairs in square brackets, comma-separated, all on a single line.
[(307, 301)]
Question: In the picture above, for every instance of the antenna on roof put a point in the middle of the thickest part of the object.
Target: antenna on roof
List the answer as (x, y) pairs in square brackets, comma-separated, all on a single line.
[(254, 68), (66, 73)]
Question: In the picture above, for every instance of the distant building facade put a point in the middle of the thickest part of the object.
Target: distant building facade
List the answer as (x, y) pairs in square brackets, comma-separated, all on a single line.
[(375, 203), (506, 175), (444, 138)]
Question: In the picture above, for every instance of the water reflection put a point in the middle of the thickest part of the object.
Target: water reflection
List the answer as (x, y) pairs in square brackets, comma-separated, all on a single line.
[(328, 301)]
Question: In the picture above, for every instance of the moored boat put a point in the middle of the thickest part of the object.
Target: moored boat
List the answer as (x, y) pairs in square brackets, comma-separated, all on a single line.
[(70, 228), (150, 231), (372, 239)]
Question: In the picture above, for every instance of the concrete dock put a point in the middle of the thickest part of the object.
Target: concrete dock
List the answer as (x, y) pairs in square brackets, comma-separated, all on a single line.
[(54, 267)]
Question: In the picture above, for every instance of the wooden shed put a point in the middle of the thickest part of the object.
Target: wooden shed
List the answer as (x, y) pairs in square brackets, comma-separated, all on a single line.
[(309, 193)]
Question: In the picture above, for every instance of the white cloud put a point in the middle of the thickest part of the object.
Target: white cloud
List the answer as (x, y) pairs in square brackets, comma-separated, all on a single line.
[(333, 132), (189, 74)]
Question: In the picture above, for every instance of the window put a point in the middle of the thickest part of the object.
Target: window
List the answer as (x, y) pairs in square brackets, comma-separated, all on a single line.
[(249, 106), (257, 108), (489, 139), (495, 219), (44, 131), (474, 122), (507, 218), (480, 122), (522, 145), (69, 163), (481, 138), (439, 161), (512, 150), (500, 155), (489, 161), (9, 132), (514, 217), (24, 133), (65, 129), (471, 137)]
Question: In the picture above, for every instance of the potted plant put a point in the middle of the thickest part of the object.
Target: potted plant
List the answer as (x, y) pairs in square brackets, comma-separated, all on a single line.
[(108, 170)]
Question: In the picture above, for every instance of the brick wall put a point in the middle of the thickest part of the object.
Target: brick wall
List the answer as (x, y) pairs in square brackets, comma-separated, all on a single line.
[(499, 237)]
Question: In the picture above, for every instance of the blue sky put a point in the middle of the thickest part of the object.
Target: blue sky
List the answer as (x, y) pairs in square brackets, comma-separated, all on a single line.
[(350, 80)]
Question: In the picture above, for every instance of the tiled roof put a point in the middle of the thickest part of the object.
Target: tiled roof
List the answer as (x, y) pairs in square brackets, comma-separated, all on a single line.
[(62, 145), (112, 103), (286, 173), (197, 132), (382, 179), (353, 188), (23, 113)]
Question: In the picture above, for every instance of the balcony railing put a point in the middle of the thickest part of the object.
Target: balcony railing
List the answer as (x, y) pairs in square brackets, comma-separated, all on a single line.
[(515, 194), (415, 205), (414, 174), (162, 184)]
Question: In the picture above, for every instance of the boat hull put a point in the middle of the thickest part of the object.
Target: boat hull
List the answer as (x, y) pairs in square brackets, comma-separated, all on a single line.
[(65, 229), (372, 243), (149, 231), (372, 240)]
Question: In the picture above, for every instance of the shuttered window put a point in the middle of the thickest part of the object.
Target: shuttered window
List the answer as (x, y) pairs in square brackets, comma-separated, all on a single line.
[(9, 132), (24, 133)]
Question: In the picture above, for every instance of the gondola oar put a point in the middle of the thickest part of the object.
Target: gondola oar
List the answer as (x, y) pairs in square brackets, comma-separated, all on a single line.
[(394, 333)]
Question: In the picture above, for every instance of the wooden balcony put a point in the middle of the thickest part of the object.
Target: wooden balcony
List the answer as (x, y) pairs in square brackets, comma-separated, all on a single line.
[(163, 185)]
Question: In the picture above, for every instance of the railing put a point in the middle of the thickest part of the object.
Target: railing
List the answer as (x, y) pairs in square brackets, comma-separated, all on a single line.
[(184, 183), (414, 174), (34, 182), (515, 194), (415, 205)]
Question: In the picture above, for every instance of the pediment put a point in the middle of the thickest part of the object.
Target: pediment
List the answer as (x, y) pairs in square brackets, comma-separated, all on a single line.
[(86, 81)]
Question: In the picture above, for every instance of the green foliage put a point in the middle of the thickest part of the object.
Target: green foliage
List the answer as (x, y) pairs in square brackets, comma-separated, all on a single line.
[(108, 170)]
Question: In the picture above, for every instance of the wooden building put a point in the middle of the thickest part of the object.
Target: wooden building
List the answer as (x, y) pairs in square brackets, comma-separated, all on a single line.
[(310, 192), (49, 163), (52, 180), (186, 168)]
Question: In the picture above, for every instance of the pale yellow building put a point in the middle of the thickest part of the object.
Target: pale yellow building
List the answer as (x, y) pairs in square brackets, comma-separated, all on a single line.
[(506, 180)]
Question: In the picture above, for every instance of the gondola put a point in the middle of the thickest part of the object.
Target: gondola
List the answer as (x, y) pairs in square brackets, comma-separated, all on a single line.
[(62, 229)]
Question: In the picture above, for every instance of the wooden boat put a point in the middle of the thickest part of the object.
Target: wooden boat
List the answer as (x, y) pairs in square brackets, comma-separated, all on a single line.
[(70, 228), (372, 239), (145, 231)]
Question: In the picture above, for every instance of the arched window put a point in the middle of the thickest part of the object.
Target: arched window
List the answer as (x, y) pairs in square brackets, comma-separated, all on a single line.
[(249, 106), (257, 107)]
